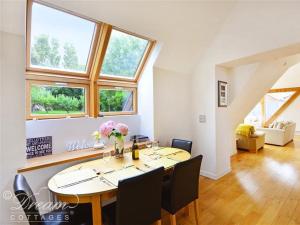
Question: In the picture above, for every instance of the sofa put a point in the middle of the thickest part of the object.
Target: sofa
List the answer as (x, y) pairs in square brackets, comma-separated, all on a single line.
[(279, 133), (249, 139)]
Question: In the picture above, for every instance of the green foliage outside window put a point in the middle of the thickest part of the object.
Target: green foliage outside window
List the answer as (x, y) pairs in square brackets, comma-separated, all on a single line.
[(45, 52), (57, 100), (123, 54), (115, 100), (122, 57)]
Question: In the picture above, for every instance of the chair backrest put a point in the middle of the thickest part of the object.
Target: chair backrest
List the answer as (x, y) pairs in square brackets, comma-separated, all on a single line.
[(184, 183), (139, 199), (182, 144), (27, 199)]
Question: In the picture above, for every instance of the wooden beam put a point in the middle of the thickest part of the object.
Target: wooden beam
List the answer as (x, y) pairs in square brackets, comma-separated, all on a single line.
[(56, 78), (103, 39), (276, 90), (144, 60), (263, 110), (282, 108), (116, 83)]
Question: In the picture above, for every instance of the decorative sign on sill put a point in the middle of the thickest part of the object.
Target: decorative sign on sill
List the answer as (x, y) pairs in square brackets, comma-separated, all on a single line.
[(39, 146)]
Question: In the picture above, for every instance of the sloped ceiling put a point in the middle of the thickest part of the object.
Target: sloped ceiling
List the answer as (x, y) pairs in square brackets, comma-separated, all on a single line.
[(184, 28)]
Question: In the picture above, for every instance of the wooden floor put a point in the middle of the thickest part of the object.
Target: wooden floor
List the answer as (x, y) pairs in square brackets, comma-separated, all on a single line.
[(263, 188)]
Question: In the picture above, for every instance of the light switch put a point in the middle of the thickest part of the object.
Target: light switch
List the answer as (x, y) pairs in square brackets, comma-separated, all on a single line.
[(202, 118)]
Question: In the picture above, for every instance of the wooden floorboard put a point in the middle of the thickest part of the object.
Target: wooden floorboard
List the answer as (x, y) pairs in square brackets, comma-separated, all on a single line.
[(262, 189)]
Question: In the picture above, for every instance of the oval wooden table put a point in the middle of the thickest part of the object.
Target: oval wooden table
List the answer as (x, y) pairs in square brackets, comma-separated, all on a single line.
[(96, 181)]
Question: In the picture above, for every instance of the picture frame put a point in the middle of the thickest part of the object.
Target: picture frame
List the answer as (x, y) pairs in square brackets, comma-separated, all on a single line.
[(222, 94)]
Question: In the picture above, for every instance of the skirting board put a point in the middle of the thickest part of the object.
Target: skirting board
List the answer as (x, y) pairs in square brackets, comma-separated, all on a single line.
[(213, 175)]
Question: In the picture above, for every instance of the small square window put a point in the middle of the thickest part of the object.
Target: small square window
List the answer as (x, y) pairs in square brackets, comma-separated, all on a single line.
[(117, 100), (48, 100)]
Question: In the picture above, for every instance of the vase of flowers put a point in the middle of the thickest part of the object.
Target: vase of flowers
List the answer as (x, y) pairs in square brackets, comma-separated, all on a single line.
[(117, 130), (98, 144)]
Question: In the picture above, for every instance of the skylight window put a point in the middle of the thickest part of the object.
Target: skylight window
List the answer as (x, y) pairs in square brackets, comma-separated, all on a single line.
[(124, 55), (59, 41), (77, 66), (271, 106), (274, 101)]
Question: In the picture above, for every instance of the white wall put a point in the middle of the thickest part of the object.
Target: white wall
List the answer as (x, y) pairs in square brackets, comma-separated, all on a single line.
[(172, 106), (146, 95), (251, 28), (289, 79), (64, 131), (12, 52)]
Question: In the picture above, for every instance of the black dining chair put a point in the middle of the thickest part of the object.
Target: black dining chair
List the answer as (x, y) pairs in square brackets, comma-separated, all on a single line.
[(182, 144), (182, 188), (138, 201), (75, 215)]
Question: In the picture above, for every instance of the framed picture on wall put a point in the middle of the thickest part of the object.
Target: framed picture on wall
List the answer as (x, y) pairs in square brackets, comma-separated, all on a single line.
[(222, 94)]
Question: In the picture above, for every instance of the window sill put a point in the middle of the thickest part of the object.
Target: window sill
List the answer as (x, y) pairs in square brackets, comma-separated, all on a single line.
[(66, 157)]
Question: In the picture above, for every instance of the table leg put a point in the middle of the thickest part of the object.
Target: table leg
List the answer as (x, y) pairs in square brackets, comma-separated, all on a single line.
[(196, 208), (96, 210)]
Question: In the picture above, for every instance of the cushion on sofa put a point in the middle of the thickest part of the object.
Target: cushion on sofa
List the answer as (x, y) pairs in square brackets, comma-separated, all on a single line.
[(280, 125)]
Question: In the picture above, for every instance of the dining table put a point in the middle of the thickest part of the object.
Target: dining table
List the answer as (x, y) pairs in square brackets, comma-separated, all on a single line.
[(96, 181)]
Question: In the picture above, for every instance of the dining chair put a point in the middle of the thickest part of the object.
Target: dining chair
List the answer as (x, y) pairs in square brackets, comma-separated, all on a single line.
[(77, 215), (182, 188), (182, 144), (138, 201)]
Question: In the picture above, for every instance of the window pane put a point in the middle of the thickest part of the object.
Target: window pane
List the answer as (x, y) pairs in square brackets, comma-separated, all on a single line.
[(274, 101), (112, 100), (255, 116), (123, 55), (59, 40), (51, 100)]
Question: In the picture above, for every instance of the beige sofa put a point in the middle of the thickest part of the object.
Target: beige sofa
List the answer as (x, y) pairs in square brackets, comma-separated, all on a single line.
[(251, 143), (279, 134)]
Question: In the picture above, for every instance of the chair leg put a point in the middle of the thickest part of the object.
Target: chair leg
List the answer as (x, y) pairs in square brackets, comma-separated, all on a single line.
[(187, 210), (196, 209), (158, 222), (173, 219)]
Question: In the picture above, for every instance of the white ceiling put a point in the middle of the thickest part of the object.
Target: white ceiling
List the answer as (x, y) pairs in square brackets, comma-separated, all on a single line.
[(185, 28)]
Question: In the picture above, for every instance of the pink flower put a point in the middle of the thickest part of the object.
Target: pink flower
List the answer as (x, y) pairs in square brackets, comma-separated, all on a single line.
[(122, 128), (106, 129), (111, 123)]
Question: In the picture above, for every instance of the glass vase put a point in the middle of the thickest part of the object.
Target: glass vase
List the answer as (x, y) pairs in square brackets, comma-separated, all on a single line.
[(119, 147)]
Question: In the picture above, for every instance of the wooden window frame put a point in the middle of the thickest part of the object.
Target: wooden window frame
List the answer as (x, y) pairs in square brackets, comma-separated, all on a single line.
[(123, 87), (142, 62), (91, 79), (281, 109), (31, 116), (92, 48)]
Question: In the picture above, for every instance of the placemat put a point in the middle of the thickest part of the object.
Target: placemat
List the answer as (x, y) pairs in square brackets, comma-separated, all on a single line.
[(75, 176), (167, 151), (122, 174), (165, 162)]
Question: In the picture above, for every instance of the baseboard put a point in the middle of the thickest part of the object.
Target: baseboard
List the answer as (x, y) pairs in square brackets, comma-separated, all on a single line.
[(228, 170), (213, 175), (208, 174), (297, 133)]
